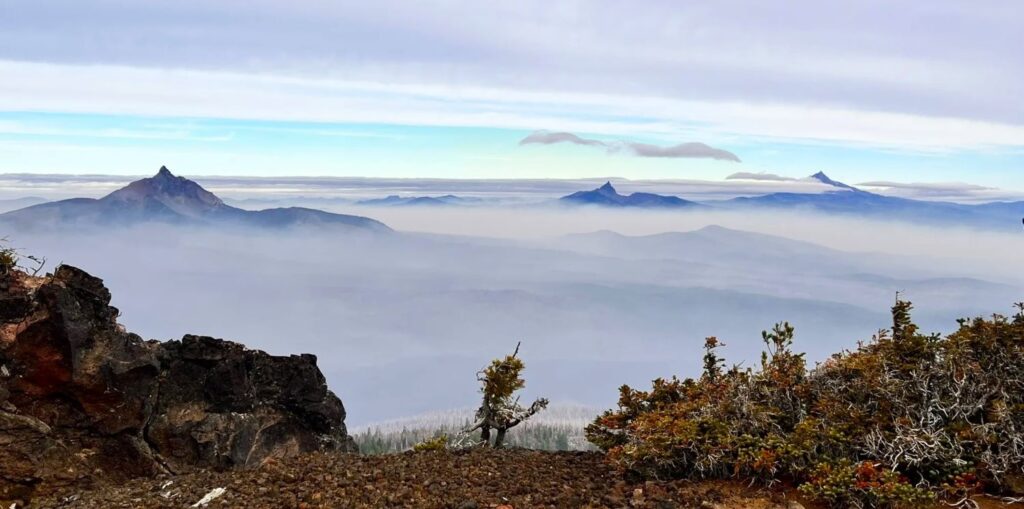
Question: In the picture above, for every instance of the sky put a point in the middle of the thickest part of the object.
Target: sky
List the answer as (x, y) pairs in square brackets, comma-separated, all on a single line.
[(868, 91)]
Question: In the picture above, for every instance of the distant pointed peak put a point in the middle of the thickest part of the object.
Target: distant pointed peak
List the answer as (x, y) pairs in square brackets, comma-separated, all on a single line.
[(607, 187), (165, 187), (824, 179)]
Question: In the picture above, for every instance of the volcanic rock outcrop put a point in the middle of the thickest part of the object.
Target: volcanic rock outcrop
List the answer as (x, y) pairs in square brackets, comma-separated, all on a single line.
[(81, 399)]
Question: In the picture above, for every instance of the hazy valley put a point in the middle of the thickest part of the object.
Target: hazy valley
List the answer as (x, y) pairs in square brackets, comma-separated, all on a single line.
[(590, 293)]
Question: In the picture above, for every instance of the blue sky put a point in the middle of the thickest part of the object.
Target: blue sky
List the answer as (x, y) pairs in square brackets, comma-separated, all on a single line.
[(867, 91)]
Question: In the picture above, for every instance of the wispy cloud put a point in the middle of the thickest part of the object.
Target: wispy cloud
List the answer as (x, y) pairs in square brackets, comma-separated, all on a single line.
[(164, 134), (806, 53), (549, 138), (950, 191), (692, 149), (325, 132), (746, 175), (238, 95), (682, 150)]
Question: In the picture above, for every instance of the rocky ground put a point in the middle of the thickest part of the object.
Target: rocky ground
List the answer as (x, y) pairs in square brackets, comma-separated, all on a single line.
[(469, 479)]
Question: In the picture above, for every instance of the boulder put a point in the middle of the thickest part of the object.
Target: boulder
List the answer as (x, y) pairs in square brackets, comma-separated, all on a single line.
[(81, 399)]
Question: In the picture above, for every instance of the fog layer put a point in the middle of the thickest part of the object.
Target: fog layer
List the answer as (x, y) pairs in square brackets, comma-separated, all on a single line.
[(401, 322)]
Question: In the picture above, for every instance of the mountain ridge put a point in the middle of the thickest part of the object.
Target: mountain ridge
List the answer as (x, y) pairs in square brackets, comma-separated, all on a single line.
[(169, 199), (395, 200), (850, 200), (608, 196)]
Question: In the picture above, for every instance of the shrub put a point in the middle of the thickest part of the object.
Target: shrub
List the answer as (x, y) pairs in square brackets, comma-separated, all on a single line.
[(898, 421), (8, 258), (11, 260), (863, 484), (438, 443), (500, 409)]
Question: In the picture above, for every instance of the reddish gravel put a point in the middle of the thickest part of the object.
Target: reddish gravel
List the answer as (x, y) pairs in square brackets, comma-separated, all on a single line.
[(470, 479), (479, 478)]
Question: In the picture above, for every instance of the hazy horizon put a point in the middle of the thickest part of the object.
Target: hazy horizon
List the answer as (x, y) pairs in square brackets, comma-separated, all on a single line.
[(282, 187), (726, 111)]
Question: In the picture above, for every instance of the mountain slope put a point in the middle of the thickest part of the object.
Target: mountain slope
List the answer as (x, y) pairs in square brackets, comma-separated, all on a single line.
[(606, 195), (165, 198), (395, 200), (849, 200), (20, 203)]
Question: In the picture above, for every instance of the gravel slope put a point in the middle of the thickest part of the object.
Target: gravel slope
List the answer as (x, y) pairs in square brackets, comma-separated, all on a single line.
[(465, 480)]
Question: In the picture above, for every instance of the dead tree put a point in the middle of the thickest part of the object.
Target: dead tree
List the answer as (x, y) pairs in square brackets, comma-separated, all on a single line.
[(500, 410)]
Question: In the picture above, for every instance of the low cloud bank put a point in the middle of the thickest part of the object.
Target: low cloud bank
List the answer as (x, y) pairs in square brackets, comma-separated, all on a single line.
[(417, 310), (943, 191), (746, 175)]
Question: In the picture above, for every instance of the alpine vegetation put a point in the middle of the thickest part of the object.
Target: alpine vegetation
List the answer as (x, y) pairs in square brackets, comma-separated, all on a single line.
[(500, 410), (560, 427), (904, 419)]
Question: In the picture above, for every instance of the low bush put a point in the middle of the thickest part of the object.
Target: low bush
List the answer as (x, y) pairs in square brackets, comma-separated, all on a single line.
[(11, 260), (438, 443), (8, 258), (900, 421)]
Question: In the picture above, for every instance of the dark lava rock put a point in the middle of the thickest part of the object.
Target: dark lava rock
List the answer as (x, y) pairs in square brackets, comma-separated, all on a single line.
[(82, 400)]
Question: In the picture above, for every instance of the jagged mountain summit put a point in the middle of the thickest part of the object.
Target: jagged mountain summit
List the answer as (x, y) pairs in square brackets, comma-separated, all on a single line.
[(166, 198), (824, 179), (178, 194), (608, 196)]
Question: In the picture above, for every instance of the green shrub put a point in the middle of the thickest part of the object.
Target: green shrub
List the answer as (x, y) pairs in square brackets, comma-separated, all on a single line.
[(8, 258), (898, 421), (863, 484), (438, 443), (500, 410)]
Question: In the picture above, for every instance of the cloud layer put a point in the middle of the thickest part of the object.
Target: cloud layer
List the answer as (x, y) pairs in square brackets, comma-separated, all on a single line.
[(386, 313), (872, 55), (953, 191), (851, 72), (771, 177), (682, 150), (331, 192)]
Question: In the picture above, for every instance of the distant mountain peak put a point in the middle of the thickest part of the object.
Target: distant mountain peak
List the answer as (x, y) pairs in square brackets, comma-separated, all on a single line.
[(167, 198), (178, 193), (824, 179), (608, 196)]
